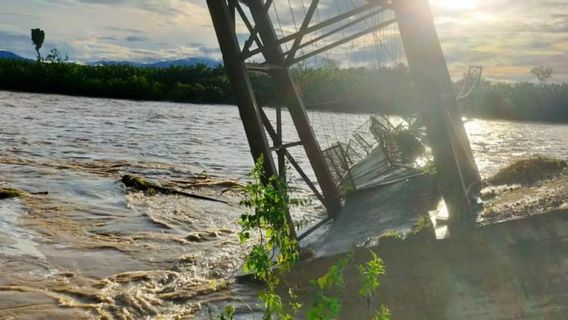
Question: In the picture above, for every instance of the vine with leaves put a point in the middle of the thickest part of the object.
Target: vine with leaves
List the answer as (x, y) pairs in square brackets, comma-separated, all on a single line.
[(276, 252)]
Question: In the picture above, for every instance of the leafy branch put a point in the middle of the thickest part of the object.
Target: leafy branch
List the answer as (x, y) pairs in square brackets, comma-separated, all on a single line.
[(276, 252)]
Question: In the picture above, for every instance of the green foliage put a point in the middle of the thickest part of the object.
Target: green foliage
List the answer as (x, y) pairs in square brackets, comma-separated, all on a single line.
[(227, 314), (422, 223), (55, 56), (393, 235), (196, 84), (370, 273), (519, 101), (268, 202), (327, 304), (542, 74), (385, 90), (382, 314), (325, 308), (38, 37), (327, 87), (333, 279), (277, 250)]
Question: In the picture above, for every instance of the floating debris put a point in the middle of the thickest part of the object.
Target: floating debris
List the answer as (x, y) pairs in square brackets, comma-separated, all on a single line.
[(529, 171), (143, 185), (526, 187), (7, 193)]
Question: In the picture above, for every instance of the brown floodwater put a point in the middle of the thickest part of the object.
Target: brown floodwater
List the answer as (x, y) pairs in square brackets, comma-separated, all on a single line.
[(90, 249)]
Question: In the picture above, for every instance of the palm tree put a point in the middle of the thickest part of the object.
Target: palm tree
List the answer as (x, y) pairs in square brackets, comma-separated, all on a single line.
[(38, 37)]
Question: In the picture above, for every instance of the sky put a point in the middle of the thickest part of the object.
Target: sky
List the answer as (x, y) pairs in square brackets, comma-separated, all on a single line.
[(506, 37)]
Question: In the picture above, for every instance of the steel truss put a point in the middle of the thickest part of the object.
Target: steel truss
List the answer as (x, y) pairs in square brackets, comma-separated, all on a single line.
[(457, 172)]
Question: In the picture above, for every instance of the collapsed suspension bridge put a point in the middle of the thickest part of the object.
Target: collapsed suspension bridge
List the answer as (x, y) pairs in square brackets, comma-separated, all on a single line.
[(369, 183), (328, 28)]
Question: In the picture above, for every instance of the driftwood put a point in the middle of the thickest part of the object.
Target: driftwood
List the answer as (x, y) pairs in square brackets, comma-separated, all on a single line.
[(6, 193), (207, 182), (529, 171), (140, 184)]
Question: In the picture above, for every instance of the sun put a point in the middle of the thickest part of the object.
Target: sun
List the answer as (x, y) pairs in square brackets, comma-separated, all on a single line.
[(460, 5)]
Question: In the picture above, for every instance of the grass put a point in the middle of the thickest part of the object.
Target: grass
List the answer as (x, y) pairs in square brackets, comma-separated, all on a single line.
[(391, 235), (529, 171), (421, 224)]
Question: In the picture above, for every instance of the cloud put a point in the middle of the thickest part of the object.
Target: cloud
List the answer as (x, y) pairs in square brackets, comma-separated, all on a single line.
[(507, 37), (209, 50), (108, 38), (106, 2), (124, 30), (135, 38), (18, 43)]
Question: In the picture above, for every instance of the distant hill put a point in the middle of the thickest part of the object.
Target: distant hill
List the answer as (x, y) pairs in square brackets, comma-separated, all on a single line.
[(162, 64), (10, 55), (112, 63)]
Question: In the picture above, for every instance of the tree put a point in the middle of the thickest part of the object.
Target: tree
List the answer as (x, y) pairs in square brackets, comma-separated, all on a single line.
[(542, 74), (38, 37), (55, 56)]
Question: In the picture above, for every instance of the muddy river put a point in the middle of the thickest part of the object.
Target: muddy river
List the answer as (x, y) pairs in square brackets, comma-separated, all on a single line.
[(81, 246)]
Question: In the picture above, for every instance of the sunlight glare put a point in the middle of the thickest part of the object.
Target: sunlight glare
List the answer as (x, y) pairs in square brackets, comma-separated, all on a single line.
[(457, 4)]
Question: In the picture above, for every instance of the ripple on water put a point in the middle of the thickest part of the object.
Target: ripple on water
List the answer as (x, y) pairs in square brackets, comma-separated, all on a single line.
[(15, 239)]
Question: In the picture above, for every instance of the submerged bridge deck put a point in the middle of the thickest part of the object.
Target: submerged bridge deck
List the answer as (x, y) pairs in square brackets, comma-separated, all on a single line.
[(368, 215)]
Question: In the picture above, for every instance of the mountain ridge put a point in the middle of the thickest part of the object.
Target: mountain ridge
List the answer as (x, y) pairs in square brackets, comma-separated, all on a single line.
[(4, 54), (189, 61)]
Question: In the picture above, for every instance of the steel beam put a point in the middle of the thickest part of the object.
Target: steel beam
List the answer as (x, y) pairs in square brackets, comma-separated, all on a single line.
[(278, 42), (274, 135), (254, 32), (302, 31), (453, 159), (338, 29), (241, 85), (289, 96), (249, 26), (343, 41)]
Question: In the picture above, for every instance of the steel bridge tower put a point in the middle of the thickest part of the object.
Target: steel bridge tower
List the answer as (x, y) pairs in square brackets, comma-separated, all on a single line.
[(457, 174)]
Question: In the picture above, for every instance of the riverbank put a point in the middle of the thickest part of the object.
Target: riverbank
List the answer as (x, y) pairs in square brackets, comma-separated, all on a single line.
[(328, 88)]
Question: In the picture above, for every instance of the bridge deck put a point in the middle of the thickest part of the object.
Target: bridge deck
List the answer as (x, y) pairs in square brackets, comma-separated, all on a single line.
[(370, 214)]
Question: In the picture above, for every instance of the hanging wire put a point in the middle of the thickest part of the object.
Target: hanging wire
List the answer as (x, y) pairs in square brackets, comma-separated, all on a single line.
[(310, 35), (372, 52), (293, 16), (279, 25)]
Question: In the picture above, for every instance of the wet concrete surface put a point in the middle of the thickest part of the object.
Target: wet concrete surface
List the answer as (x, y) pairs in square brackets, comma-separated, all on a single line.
[(517, 269)]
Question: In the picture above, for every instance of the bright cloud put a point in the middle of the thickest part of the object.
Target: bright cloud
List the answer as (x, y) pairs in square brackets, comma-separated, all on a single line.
[(507, 37)]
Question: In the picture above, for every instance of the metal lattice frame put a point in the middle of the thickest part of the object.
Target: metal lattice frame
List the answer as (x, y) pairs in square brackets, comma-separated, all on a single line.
[(457, 173)]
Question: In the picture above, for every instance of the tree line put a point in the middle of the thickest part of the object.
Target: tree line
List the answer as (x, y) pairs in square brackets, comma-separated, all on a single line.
[(327, 87)]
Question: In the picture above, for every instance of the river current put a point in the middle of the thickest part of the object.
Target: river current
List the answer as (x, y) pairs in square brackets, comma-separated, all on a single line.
[(80, 246)]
